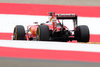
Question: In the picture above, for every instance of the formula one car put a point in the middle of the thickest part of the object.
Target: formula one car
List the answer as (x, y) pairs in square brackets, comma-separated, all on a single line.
[(53, 30)]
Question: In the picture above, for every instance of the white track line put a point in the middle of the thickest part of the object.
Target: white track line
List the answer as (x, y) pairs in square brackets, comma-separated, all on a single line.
[(51, 45), (8, 22)]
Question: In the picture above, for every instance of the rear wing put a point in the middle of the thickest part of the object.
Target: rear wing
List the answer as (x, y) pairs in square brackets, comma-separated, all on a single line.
[(66, 16), (63, 16)]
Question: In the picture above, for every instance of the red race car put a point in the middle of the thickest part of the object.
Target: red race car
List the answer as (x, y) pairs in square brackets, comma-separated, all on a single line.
[(53, 30)]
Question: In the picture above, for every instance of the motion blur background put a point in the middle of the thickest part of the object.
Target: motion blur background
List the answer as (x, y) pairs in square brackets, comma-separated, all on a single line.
[(18, 62)]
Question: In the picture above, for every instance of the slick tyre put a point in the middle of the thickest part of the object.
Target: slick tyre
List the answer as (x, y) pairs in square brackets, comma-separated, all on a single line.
[(82, 33), (19, 33), (43, 33)]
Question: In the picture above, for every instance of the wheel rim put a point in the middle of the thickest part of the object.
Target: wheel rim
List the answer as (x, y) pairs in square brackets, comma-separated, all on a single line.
[(38, 34), (15, 34)]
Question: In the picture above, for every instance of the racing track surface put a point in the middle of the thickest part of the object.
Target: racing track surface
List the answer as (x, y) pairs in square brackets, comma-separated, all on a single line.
[(16, 62), (13, 62), (48, 54), (58, 2)]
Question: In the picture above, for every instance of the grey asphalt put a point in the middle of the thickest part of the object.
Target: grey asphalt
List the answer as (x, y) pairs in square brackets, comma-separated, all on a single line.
[(60, 2), (16, 62)]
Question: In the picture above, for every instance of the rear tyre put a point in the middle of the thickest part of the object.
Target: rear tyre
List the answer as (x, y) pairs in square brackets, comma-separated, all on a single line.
[(43, 33), (82, 33), (19, 33)]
